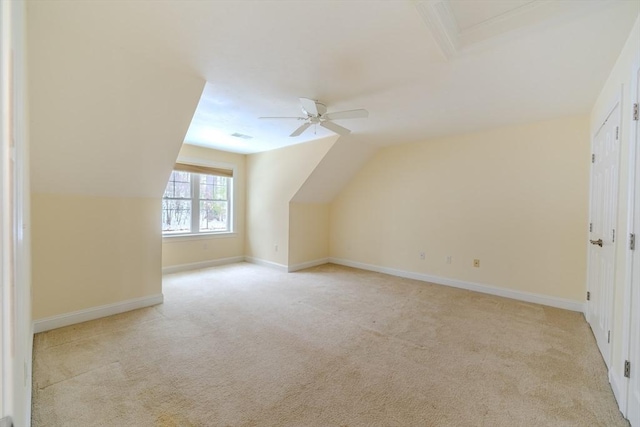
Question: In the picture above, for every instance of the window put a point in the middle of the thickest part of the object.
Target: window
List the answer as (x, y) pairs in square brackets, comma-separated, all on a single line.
[(197, 200)]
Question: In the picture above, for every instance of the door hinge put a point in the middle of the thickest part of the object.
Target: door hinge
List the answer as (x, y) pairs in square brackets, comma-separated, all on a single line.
[(632, 241), (588, 296), (613, 235), (593, 158), (627, 369), (608, 337), (636, 112), (590, 227), (617, 132)]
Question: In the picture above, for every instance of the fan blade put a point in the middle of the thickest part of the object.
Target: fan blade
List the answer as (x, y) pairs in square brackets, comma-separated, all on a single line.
[(309, 105), (297, 118), (301, 129), (336, 128), (350, 114)]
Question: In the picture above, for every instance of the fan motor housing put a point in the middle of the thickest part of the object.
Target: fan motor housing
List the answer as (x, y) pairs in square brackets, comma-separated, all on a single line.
[(322, 109)]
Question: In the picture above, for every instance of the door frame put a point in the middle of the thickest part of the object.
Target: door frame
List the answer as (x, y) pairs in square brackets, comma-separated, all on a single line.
[(616, 102), (6, 332), (16, 326), (633, 226)]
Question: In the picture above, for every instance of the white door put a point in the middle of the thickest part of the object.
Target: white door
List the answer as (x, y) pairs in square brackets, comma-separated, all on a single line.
[(633, 399), (603, 213), (633, 391)]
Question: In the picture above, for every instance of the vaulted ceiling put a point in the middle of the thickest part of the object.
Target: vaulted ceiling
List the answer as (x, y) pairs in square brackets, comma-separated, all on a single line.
[(422, 68), (126, 76)]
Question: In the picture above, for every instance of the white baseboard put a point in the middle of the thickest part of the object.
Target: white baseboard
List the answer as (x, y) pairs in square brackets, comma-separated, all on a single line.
[(308, 264), (266, 263), (282, 267), (59, 321), (199, 265), (619, 390), (477, 287)]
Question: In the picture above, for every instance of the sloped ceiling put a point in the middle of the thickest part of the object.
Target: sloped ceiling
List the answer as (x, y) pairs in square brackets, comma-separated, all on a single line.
[(510, 62), (114, 83), (335, 169), (105, 119)]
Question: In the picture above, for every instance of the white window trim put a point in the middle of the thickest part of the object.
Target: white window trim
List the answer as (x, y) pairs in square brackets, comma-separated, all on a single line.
[(232, 202), (198, 236)]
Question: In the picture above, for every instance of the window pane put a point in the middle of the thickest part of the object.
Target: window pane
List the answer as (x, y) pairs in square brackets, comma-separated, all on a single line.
[(214, 187), (168, 192), (181, 176), (176, 216), (179, 185), (182, 190), (206, 191), (220, 191), (214, 216)]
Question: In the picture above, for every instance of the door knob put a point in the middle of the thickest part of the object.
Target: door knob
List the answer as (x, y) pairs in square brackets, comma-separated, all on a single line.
[(596, 242)]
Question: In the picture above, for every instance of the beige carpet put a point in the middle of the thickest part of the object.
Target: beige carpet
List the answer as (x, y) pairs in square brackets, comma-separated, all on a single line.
[(244, 345)]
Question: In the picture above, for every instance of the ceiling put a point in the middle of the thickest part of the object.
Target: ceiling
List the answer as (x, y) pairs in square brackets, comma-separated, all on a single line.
[(422, 69)]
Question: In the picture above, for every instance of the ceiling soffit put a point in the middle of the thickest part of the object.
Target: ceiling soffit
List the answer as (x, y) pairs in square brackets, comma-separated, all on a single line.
[(447, 19)]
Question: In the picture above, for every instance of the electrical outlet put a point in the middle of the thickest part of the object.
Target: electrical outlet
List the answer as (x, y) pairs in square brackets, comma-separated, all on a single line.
[(275, 248), (449, 258), (476, 263), (205, 246), (422, 256)]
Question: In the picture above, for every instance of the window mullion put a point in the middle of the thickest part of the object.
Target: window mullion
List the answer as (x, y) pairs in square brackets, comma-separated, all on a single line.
[(195, 203), (229, 211)]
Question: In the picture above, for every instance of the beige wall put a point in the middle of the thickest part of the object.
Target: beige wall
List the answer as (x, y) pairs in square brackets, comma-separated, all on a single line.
[(273, 178), (92, 251), (619, 82), (105, 120), (515, 197), (308, 232), (105, 126), (185, 250)]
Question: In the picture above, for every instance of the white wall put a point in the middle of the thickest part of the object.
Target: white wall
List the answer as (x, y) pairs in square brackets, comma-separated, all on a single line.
[(514, 197)]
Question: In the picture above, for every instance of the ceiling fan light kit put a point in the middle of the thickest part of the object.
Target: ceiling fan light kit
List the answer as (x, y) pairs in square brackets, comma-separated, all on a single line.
[(316, 114)]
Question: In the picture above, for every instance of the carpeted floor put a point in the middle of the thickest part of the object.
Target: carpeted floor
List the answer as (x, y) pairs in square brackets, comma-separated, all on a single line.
[(244, 345)]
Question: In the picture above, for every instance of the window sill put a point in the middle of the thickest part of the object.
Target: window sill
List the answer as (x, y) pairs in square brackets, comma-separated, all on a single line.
[(199, 236)]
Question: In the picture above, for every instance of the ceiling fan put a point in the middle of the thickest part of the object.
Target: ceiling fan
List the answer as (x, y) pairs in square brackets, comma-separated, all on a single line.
[(316, 114)]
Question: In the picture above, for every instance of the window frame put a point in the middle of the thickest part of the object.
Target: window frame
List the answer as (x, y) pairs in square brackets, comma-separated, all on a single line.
[(195, 202)]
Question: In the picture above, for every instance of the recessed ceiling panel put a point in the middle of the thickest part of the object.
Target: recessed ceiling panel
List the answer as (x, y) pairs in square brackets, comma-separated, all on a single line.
[(460, 25), (471, 13)]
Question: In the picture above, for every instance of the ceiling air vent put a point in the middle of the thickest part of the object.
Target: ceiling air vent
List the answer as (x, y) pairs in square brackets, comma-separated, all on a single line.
[(241, 136)]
